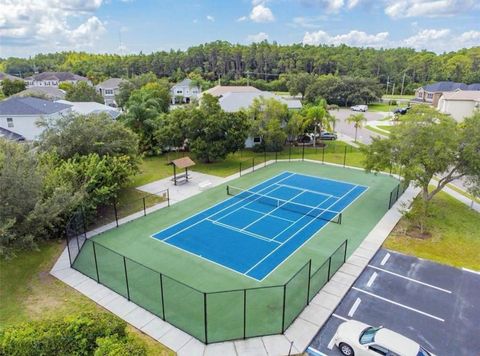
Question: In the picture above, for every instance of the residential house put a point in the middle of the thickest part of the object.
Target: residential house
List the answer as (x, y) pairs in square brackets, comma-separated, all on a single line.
[(184, 92), (459, 104), (20, 115), (53, 79), (4, 76), (90, 107), (431, 93), (108, 89), (49, 93), (236, 98)]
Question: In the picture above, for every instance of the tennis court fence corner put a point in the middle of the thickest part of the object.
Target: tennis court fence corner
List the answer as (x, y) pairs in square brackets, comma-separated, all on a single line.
[(248, 312)]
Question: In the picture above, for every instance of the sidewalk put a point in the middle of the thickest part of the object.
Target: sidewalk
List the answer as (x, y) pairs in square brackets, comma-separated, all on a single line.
[(295, 339)]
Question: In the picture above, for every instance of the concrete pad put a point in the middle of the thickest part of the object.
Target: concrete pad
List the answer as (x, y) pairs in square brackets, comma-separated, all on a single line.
[(315, 314), (139, 317), (220, 349), (156, 328), (277, 345), (252, 347), (336, 288), (359, 261), (301, 332), (89, 287), (193, 347), (108, 298), (351, 269), (367, 254), (326, 300), (343, 278), (101, 293), (175, 339), (121, 307)]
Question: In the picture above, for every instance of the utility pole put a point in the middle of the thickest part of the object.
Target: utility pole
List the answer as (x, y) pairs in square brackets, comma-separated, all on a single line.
[(403, 82), (393, 88), (388, 82)]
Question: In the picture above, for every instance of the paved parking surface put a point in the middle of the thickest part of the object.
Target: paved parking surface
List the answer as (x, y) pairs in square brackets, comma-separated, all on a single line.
[(435, 305)]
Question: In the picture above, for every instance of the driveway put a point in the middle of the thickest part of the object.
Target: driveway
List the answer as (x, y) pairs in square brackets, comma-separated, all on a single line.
[(364, 135), (435, 305)]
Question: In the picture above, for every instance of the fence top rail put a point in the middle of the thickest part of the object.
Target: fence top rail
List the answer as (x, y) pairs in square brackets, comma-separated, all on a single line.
[(321, 266), (338, 248)]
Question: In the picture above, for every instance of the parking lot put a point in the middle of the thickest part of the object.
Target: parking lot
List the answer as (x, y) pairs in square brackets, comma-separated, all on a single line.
[(436, 305)]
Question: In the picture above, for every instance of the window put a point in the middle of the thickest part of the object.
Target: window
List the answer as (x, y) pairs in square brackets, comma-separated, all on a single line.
[(179, 91), (257, 140), (379, 349), (9, 122), (368, 335), (108, 92), (429, 96)]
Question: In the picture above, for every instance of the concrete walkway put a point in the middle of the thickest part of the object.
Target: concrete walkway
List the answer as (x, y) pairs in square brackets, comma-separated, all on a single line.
[(295, 339)]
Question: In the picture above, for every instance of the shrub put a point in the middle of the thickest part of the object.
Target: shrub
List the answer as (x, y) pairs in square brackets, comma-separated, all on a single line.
[(72, 335), (115, 346), (393, 103)]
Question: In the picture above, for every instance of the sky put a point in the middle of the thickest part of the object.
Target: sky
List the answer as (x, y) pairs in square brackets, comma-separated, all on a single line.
[(28, 27)]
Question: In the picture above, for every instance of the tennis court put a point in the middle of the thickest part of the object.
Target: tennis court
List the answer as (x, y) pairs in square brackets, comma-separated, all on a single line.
[(256, 230)]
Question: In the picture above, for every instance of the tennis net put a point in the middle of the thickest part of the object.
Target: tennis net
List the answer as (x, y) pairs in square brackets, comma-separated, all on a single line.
[(303, 209)]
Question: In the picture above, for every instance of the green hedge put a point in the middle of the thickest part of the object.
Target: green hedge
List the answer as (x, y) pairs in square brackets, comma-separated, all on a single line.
[(71, 335), (115, 346)]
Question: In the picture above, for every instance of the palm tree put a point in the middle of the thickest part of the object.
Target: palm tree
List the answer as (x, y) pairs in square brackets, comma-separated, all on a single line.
[(357, 120)]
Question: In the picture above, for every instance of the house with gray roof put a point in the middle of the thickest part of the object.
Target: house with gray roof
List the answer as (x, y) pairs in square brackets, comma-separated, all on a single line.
[(21, 114), (108, 89), (4, 76), (184, 92), (49, 93), (431, 93), (53, 79)]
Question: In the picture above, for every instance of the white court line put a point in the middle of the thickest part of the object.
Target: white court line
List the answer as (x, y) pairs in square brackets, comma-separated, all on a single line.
[(323, 178), (399, 304), (411, 279), (233, 228), (385, 259), (306, 190), (315, 351), (372, 279), (331, 343), (273, 216), (354, 307), (340, 317)]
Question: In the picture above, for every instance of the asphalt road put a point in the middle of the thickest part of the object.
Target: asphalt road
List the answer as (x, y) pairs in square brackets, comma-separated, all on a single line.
[(435, 305), (364, 135)]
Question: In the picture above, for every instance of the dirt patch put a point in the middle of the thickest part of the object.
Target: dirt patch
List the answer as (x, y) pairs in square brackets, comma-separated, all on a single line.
[(416, 233)]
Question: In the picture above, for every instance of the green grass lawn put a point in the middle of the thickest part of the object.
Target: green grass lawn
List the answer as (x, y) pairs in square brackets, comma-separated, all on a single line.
[(394, 97), (382, 107), (28, 292), (374, 129), (455, 236), (385, 127)]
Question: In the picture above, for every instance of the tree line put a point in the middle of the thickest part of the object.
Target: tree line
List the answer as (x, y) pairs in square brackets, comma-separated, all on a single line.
[(264, 63)]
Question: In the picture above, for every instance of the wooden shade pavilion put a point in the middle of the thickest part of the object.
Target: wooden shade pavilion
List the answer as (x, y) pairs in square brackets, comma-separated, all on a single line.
[(181, 163)]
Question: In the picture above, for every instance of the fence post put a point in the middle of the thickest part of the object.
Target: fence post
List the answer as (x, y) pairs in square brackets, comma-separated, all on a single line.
[(244, 314), (68, 246), (289, 152), (323, 155), (168, 197), (205, 315), (265, 157), (276, 156), (345, 157), (161, 294), (253, 164), (283, 312), (240, 170), (345, 253), (115, 210), (126, 277), (390, 201), (303, 152), (390, 170), (84, 222), (96, 264), (398, 190), (78, 243), (309, 276), (329, 266), (144, 207)]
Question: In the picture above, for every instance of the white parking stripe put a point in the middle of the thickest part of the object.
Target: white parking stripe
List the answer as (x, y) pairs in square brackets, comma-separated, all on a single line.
[(471, 270), (400, 305), (372, 279), (385, 259), (411, 279), (331, 343), (315, 351), (340, 317), (354, 307)]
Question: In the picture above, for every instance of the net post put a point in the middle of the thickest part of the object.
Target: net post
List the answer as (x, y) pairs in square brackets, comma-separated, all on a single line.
[(244, 314), (303, 152), (345, 252), (205, 315), (115, 211), (126, 277), (144, 207), (309, 276), (161, 294), (340, 219), (345, 157), (168, 197), (228, 190), (276, 156), (283, 311), (96, 264), (329, 266), (323, 155)]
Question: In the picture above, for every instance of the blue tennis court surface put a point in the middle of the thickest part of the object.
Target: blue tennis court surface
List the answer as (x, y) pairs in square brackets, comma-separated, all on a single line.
[(257, 229)]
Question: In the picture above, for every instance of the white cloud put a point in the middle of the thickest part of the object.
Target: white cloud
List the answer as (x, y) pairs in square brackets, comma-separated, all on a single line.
[(210, 18), (261, 13), (442, 40), (37, 22), (259, 37), (352, 3), (426, 8), (242, 18), (353, 38)]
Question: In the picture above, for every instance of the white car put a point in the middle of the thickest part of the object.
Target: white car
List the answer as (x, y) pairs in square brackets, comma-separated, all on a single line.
[(361, 108), (354, 338)]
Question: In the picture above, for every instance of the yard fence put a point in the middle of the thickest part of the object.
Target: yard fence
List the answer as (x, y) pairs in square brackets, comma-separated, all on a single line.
[(396, 193), (209, 316)]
